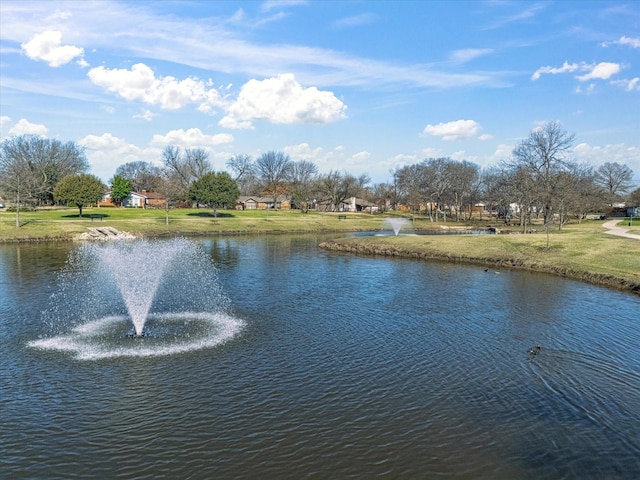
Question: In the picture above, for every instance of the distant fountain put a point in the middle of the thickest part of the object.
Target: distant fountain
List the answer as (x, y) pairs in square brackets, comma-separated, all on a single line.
[(397, 223), (168, 290)]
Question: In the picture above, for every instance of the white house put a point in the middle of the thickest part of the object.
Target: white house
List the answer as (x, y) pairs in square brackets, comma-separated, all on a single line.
[(134, 200)]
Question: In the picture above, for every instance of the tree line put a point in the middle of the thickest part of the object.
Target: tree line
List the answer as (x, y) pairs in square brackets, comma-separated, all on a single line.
[(540, 179)]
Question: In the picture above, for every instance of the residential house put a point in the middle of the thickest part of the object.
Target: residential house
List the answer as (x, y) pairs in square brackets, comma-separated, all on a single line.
[(142, 199), (355, 204), (263, 203), (155, 199)]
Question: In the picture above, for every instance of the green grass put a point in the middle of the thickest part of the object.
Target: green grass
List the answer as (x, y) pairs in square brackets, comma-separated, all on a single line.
[(582, 251), (65, 224)]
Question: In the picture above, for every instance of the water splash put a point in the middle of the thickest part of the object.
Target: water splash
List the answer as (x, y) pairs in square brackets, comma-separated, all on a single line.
[(137, 269), (171, 334), (167, 289), (397, 223)]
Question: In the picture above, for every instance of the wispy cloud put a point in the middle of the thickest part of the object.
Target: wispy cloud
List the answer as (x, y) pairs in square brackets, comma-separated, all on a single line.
[(216, 45), (599, 71), (468, 54), (565, 68), (624, 40), (269, 5), (355, 20), (521, 16)]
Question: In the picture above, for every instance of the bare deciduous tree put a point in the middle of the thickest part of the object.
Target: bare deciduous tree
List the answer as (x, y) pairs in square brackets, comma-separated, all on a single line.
[(142, 175), (545, 153), (241, 165), (302, 175), (33, 165), (182, 168), (272, 169), (615, 179)]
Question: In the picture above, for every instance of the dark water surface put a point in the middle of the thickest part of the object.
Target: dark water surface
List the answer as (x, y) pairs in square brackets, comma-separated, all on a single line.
[(345, 367)]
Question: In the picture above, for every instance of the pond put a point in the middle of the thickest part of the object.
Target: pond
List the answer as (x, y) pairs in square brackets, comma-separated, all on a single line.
[(332, 366)]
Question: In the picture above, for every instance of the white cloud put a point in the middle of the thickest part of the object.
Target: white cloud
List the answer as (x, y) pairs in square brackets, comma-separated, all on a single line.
[(620, 153), (457, 130), (566, 67), (588, 90), (24, 127), (632, 85), (430, 152), (145, 115), (467, 54), (106, 141), (140, 83), (192, 138), (107, 152), (47, 47), (216, 44), (602, 71), (503, 151), (459, 156), (361, 156), (303, 151), (624, 40), (336, 158), (282, 100), (484, 137)]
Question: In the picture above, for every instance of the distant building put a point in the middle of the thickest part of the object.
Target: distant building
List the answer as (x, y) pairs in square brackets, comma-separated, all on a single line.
[(143, 199), (135, 200), (247, 202), (355, 204)]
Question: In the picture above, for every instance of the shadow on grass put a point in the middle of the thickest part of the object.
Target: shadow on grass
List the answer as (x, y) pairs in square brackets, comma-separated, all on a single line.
[(210, 215), (85, 216)]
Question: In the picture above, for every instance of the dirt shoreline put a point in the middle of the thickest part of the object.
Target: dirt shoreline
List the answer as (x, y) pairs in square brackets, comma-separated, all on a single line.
[(605, 280)]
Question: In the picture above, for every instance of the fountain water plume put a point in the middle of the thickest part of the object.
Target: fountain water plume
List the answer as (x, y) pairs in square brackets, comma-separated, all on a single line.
[(168, 289), (137, 274), (397, 223)]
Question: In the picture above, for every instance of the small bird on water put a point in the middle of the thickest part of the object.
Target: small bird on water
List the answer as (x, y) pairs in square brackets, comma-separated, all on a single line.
[(535, 350)]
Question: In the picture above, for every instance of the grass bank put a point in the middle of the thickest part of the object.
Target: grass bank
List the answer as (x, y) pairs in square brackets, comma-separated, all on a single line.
[(579, 251), (582, 252), (64, 224)]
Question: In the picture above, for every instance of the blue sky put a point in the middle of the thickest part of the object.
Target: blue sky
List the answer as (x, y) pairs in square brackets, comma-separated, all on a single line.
[(357, 86)]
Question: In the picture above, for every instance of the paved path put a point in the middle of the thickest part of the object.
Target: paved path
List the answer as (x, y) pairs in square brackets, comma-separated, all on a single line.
[(612, 229)]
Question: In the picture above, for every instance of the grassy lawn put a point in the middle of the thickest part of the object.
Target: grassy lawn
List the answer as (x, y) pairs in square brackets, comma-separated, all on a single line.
[(582, 251), (65, 223)]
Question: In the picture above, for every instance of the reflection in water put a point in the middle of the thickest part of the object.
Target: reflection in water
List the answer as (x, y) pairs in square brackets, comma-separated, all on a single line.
[(346, 366)]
